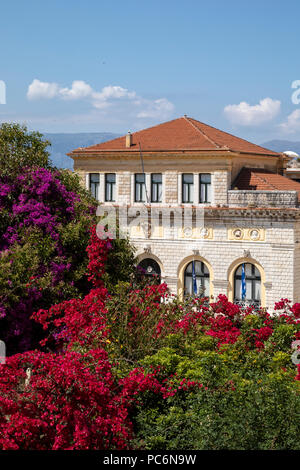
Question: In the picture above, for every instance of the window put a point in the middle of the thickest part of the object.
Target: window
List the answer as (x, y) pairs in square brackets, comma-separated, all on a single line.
[(252, 285), (156, 187), (94, 184), (204, 187), (196, 281), (149, 268), (187, 187), (140, 187), (110, 187)]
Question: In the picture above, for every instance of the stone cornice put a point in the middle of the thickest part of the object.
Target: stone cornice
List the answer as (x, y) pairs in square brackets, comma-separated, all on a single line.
[(134, 154), (225, 212), (257, 212), (85, 153)]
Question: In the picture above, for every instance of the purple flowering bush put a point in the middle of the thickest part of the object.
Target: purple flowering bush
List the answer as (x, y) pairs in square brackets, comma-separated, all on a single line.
[(45, 220), (44, 233)]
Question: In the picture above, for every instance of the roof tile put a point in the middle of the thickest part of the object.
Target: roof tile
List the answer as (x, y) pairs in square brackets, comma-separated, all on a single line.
[(180, 134), (260, 179)]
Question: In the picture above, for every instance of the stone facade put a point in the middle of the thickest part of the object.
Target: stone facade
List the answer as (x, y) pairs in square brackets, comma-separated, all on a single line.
[(276, 255), (262, 198), (124, 187), (221, 182), (171, 187)]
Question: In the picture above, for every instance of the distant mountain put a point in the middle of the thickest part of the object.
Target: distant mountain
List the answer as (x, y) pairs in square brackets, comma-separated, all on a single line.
[(64, 143), (282, 146)]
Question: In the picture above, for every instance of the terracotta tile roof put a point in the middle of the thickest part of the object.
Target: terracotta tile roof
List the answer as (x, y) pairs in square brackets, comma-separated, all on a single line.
[(264, 180), (180, 134)]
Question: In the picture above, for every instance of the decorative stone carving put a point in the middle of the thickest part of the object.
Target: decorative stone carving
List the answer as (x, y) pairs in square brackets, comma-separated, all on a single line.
[(254, 234), (238, 233), (187, 232), (247, 234), (204, 233)]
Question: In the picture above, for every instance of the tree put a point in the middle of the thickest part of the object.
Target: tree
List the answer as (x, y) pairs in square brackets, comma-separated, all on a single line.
[(19, 148)]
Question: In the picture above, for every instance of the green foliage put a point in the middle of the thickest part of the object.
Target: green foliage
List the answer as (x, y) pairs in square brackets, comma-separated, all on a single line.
[(19, 148), (133, 318), (120, 266), (253, 416), (16, 268), (282, 336), (247, 398)]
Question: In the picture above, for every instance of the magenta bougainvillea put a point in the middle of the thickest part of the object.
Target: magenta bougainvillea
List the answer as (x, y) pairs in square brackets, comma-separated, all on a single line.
[(37, 198), (43, 234)]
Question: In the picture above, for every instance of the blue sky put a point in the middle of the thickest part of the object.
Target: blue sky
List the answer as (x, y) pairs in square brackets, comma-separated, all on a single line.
[(93, 66)]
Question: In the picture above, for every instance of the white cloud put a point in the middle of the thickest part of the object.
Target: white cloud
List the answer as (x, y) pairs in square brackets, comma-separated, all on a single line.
[(115, 96), (79, 90), (160, 108), (42, 90), (246, 115), (108, 93), (114, 92), (292, 124)]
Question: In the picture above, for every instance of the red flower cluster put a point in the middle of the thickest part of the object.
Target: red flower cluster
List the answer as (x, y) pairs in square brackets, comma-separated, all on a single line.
[(97, 253), (261, 335), (77, 320), (68, 401), (221, 319), (223, 329)]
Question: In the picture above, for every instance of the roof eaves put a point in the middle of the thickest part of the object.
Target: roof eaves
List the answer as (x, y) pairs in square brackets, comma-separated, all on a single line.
[(83, 151), (246, 152), (131, 150)]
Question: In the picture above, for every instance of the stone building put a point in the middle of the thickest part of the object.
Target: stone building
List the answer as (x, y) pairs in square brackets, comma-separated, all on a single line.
[(208, 212)]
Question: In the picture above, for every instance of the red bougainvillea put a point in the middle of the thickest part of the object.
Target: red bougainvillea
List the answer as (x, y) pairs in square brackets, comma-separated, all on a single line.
[(77, 320), (68, 402), (97, 252)]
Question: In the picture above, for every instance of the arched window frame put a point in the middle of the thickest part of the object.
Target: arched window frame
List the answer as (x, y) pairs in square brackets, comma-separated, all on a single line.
[(151, 263), (254, 278), (204, 274), (180, 275)]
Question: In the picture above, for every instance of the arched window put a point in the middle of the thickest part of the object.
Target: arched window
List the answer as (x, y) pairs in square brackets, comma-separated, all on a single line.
[(150, 268), (196, 280), (247, 286)]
